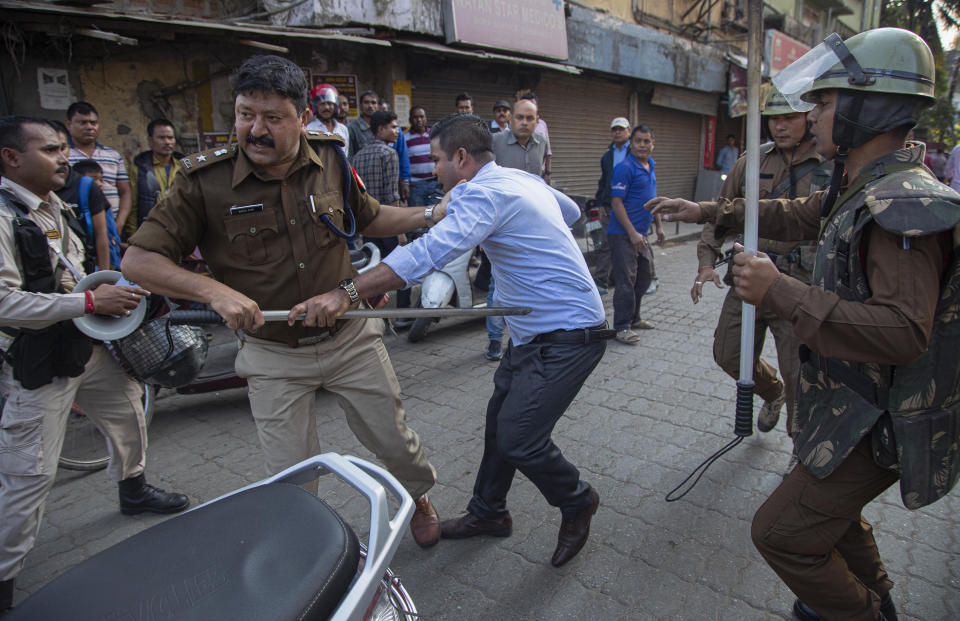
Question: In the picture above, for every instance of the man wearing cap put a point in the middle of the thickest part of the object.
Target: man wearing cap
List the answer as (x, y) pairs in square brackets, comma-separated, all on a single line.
[(501, 116), (789, 168), (618, 149), (878, 397)]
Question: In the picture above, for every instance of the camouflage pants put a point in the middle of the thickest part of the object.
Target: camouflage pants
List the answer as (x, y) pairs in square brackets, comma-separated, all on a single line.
[(811, 532)]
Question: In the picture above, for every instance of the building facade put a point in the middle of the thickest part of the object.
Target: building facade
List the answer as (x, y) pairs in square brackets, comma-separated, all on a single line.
[(666, 64)]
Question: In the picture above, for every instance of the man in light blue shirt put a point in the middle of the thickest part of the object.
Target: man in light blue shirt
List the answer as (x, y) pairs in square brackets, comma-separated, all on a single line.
[(522, 224)]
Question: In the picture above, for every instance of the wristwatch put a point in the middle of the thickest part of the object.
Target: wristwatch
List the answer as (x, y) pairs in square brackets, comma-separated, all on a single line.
[(347, 285), (428, 215)]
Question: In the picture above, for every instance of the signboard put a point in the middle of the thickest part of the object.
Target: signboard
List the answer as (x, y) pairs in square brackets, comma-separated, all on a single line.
[(53, 86), (346, 84), (710, 144), (212, 140), (402, 94), (535, 27), (780, 50), (737, 92)]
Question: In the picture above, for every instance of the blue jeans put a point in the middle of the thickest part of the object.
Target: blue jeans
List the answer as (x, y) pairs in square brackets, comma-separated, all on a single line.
[(494, 324), (420, 192)]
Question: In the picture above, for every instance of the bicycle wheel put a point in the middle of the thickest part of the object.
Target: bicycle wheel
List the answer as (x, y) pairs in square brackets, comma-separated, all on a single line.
[(84, 447)]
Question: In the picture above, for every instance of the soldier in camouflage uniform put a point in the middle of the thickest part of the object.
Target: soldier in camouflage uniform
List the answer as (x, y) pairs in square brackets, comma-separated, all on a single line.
[(880, 382), (790, 167)]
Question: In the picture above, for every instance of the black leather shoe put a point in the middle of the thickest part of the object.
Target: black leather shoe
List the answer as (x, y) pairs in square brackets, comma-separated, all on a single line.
[(138, 496), (6, 595), (470, 525), (888, 612), (574, 532), (803, 612)]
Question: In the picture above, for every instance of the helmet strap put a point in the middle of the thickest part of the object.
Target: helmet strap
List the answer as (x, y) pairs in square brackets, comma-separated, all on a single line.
[(849, 62), (839, 160)]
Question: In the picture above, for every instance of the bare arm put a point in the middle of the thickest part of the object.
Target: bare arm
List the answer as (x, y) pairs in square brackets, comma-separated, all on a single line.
[(161, 275), (101, 241), (324, 310), (123, 189)]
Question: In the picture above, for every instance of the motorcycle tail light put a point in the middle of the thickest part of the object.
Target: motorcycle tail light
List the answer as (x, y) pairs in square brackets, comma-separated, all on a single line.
[(593, 214)]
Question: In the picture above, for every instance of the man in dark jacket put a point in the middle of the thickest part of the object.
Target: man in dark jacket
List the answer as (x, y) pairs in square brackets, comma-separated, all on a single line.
[(152, 172), (618, 149)]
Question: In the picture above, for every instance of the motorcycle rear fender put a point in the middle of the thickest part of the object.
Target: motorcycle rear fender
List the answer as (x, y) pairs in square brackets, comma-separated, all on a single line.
[(437, 290)]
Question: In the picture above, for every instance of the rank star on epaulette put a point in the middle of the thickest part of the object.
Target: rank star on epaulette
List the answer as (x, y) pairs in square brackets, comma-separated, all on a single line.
[(201, 158)]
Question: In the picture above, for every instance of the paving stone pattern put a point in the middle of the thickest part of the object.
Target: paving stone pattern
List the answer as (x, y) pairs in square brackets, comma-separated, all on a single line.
[(646, 417)]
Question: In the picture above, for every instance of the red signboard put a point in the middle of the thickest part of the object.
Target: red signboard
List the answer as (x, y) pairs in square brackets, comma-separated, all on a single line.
[(781, 50), (710, 144)]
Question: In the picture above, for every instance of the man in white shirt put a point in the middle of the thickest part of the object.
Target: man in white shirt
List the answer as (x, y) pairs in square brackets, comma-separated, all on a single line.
[(324, 100)]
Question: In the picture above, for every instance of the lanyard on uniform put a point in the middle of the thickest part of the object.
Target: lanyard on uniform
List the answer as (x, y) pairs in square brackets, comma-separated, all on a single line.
[(345, 167)]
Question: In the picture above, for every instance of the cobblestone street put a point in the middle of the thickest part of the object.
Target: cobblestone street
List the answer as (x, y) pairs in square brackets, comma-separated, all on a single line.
[(646, 417)]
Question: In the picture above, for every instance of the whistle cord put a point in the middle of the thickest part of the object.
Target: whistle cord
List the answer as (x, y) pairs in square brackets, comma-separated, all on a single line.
[(742, 427)]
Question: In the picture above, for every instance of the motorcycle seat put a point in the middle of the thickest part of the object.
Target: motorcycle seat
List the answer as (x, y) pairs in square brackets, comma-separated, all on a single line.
[(271, 553)]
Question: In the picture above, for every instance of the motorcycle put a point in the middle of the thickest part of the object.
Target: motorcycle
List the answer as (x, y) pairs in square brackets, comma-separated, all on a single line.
[(451, 285), (84, 447), (270, 551)]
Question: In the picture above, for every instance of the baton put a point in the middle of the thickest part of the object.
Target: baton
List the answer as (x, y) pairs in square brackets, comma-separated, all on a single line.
[(199, 317)]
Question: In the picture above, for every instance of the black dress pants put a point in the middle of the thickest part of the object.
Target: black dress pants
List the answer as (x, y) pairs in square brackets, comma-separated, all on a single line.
[(533, 386)]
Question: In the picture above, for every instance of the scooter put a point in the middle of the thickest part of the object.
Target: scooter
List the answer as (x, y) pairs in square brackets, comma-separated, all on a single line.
[(271, 551), (448, 286)]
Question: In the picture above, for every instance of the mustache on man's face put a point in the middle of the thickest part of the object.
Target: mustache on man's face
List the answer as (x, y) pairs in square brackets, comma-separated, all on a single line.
[(63, 169), (263, 141)]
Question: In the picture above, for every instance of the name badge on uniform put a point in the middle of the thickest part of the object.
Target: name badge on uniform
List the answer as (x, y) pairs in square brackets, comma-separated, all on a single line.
[(238, 210), (52, 234)]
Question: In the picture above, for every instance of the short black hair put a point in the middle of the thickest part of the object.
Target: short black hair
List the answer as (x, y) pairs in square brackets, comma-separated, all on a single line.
[(532, 97), (463, 130), (641, 129), (368, 94), (155, 123), (415, 108), (464, 97), (58, 127), (380, 118), (87, 166), (12, 134), (267, 73), (80, 107)]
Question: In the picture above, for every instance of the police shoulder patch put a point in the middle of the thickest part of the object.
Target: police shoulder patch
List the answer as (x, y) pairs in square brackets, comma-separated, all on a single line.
[(195, 162)]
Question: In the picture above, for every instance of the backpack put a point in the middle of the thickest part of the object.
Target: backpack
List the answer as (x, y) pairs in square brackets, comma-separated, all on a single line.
[(113, 236)]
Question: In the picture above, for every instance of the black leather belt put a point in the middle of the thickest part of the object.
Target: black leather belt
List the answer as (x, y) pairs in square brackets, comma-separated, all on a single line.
[(583, 336)]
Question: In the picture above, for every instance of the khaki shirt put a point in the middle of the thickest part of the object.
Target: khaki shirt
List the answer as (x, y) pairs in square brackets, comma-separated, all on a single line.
[(278, 252), (773, 171), (22, 309)]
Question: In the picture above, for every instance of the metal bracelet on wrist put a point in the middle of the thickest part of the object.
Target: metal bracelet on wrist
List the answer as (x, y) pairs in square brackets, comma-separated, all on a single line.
[(428, 215)]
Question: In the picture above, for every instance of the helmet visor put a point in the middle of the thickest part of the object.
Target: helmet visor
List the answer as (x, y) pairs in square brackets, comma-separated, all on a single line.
[(795, 80)]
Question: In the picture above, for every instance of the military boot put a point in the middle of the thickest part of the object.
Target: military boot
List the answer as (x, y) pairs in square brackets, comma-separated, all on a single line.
[(138, 496)]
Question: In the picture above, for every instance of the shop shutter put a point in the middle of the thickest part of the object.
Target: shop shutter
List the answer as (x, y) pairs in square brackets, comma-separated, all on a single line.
[(578, 111), (676, 149), (437, 97)]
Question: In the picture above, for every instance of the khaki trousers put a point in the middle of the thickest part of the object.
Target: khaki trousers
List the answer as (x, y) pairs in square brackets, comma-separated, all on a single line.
[(726, 353), (811, 532), (32, 428), (354, 366)]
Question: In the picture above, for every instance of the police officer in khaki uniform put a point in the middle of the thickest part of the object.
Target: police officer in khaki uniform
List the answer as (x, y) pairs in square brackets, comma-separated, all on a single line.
[(270, 218), (879, 397), (52, 365), (788, 165)]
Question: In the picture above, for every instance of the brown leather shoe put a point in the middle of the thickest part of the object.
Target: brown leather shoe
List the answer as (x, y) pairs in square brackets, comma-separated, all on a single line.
[(574, 532), (470, 525), (425, 524)]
